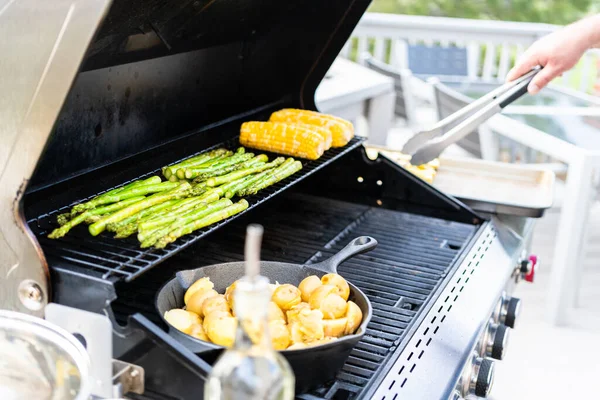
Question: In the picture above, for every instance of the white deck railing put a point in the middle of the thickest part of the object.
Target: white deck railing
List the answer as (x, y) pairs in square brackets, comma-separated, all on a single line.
[(492, 46)]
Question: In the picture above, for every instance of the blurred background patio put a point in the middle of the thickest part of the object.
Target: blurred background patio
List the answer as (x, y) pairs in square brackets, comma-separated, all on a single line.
[(404, 69)]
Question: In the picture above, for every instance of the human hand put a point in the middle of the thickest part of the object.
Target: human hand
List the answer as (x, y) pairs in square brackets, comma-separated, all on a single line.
[(557, 52)]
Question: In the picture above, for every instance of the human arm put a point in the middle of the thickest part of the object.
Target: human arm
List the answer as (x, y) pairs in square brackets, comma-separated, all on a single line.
[(557, 52)]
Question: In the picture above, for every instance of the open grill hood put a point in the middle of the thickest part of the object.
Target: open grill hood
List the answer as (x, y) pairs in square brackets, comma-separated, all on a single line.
[(157, 70)]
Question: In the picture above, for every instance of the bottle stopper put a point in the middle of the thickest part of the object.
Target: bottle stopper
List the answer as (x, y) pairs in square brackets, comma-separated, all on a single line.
[(254, 235)]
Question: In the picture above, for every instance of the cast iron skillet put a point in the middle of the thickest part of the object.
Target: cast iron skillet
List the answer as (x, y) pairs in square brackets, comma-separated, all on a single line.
[(312, 366)]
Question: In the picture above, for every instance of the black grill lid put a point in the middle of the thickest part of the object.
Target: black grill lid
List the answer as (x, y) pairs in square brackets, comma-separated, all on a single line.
[(159, 69)]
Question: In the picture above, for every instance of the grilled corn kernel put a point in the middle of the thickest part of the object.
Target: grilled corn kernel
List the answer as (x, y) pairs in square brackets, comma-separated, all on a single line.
[(341, 130), (282, 138)]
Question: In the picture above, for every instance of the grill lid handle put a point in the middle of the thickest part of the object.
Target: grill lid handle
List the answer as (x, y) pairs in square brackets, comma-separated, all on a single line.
[(359, 245)]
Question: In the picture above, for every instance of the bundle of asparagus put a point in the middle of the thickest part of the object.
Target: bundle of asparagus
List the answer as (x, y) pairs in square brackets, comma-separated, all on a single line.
[(197, 194)]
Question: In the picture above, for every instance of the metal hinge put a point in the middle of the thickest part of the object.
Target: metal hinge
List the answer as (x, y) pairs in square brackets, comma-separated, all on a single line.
[(109, 378)]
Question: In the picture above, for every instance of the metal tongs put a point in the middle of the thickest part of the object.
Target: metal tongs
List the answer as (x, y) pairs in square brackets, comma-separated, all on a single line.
[(424, 146)]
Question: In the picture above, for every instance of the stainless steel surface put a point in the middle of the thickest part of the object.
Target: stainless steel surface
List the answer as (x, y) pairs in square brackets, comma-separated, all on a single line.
[(427, 145), (42, 44), (39, 360), (434, 359), (96, 331), (127, 378), (497, 188)]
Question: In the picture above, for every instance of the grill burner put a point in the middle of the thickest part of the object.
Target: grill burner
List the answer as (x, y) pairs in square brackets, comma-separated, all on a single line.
[(413, 256), (117, 259)]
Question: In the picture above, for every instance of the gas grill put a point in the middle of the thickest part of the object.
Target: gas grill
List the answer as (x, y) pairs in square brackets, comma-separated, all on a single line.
[(118, 91)]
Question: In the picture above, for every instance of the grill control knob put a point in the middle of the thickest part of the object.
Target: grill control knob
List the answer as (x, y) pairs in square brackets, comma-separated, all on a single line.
[(534, 262), (510, 311), (482, 378), (498, 342)]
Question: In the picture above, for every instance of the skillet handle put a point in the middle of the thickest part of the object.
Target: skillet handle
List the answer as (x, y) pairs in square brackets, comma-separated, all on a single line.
[(361, 244)]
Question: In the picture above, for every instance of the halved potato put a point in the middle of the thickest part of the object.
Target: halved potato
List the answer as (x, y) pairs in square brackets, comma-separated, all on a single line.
[(280, 335), (198, 332), (308, 285), (181, 319), (333, 306), (343, 289), (201, 285), (197, 299), (334, 327), (319, 294), (287, 296), (354, 318), (294, 312), (308, 327), (298, 346), (275, 313), (229, 294), (220, 328), (214, 303)]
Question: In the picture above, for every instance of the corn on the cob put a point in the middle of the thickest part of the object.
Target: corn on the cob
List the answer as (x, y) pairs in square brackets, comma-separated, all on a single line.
[(323, 132), (341, 130), (288, 139)]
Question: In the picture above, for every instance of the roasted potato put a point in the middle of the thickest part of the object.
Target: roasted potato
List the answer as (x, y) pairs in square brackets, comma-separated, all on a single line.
[(294, 312), (220, 328), (343, 289), (354, 318), (286, 296), (298, 346), (198, 332), (280, 335), (275, 313), (308, 327), (334, 327), (215, 303), (319, 294), (197, 299), (229, 294), (308, 285), (201, 285), (333, 306), (182, 320)]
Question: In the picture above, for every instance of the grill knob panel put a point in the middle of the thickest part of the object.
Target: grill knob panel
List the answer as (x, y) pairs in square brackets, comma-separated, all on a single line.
[(485, 378)]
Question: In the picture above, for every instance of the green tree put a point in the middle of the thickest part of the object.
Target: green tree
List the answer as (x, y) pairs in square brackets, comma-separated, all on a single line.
[(547, 11)]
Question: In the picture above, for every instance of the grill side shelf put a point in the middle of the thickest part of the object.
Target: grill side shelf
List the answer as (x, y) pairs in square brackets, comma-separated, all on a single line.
[(123, 259)]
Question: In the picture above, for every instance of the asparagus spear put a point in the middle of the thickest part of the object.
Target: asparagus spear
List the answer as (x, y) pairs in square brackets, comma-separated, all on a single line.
[(128, 229), (62, 231), (251, 180), (194, 172), (198, 189), (196, 160), (219, 180), (149, 238), (134, 219), (179, 170), (126, 194), (202, 222), (166, 217), (258, 160), (244, 182), (99, 200), (182, 190), (274, 177)]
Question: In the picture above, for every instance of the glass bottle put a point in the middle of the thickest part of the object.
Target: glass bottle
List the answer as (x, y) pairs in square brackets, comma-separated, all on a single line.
[(251, 369)]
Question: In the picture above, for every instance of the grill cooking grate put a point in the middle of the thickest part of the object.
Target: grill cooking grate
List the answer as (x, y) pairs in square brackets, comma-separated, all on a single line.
[(123, 259), (399, 276)]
